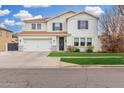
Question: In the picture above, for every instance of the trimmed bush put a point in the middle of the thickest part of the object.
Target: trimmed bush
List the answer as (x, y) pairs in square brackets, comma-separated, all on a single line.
[(89, 49), (71, 49), (77, 50)]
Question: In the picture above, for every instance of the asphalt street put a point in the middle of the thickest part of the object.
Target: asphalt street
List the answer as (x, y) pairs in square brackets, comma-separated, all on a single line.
[(62, 78)]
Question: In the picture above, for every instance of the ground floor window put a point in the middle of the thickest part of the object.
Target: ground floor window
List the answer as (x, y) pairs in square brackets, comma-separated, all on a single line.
[(76, 41), (89, 41), (82, 41)]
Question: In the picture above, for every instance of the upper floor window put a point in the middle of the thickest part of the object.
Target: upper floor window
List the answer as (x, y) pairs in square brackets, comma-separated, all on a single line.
[(89, 41), (33, 26), (76, 41), (57, 26), (82, 24), (38, 26)]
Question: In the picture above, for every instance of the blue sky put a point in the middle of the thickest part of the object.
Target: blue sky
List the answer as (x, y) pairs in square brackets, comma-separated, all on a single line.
[(11, 16)]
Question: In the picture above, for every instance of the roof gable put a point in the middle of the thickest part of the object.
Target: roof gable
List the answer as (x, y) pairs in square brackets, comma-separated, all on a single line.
[(42, 20), (62, 14), (85, 13), (5, 29)]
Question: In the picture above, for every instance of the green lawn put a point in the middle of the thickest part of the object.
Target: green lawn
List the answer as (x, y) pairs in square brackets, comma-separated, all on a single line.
[(94, 61), (62, 54)]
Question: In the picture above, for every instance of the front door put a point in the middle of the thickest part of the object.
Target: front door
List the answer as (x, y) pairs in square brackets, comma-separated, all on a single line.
[(61, 43)]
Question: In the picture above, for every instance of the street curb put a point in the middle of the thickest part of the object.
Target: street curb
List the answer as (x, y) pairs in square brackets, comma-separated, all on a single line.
[(86, 57), (67, 67), (94, 66)]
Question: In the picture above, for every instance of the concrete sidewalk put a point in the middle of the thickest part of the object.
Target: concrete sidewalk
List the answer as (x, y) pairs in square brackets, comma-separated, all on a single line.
[(2, 53), (89, 57)]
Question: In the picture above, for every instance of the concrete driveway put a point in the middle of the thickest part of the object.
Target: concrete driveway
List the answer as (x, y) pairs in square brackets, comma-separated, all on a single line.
[(30, 60), (27, 59)]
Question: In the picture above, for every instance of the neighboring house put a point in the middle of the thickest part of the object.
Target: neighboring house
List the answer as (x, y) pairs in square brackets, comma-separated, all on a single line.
[(15, 38), (59, 32), (5, 38)]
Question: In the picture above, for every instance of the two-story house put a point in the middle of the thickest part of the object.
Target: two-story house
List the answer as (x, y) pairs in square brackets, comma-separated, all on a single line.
[(5, 38), (59, 32)]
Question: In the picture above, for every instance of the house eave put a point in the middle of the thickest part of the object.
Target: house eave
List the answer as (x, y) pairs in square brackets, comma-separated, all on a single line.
[(43, 33)]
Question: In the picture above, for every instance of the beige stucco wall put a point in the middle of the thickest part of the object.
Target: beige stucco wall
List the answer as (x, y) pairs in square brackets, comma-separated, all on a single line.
[(47, 27), (60, 19), (4, 39), (69, 26), (27, 27), (91, 32)]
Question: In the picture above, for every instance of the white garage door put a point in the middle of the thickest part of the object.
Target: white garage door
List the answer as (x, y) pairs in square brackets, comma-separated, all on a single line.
[(37, 45)]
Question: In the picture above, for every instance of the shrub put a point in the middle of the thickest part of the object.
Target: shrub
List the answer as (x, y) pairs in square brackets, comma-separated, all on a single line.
[(89, 49), (71, 49), (77, 50)]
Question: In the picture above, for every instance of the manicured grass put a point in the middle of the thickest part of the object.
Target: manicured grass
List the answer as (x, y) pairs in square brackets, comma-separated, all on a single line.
[(94, 61), (61, 54)]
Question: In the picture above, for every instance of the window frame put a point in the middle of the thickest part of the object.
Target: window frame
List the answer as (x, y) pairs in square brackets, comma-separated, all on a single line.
[(89, 41), (82, 42), (76, 42), (40, 26), (59, 28), (85, 24), (32, 26)]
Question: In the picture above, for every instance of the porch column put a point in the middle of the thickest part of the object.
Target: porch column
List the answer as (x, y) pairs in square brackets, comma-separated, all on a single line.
[(54, 43)]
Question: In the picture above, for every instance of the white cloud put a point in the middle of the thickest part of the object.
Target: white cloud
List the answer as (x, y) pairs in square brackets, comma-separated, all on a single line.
[(94, 10), (36, 6), (0, 6), (24, 15), (9, 22), (19, 23), (2, 25), (4, 12), (37, 17)]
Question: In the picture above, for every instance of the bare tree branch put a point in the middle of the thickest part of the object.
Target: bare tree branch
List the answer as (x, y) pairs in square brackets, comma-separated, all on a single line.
[(112, 38)]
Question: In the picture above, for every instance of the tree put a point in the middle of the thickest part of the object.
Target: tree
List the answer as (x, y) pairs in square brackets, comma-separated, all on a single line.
[(112, 38), (119, 9)]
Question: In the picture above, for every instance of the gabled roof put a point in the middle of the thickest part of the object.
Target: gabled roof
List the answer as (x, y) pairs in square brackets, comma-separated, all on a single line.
[(45, 20), (5, 29), (61, 14), (42, 20), (85, 13)]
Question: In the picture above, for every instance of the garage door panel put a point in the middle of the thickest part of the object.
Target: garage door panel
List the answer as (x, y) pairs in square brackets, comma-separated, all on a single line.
[(37, 45)]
